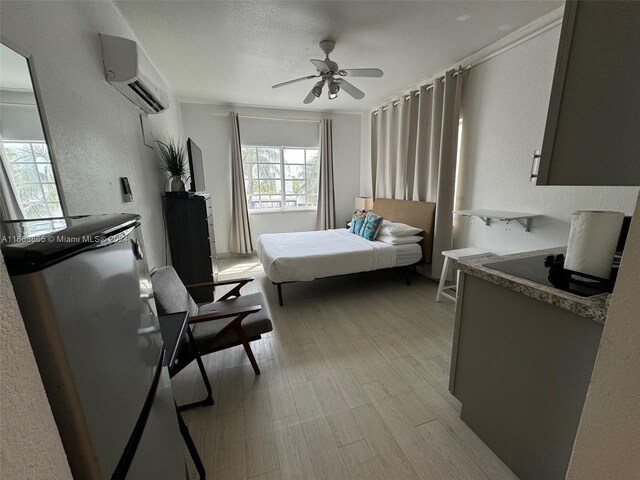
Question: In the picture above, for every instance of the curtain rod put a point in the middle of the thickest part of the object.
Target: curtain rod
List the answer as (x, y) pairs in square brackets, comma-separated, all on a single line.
[(417, 92), (285, 119)]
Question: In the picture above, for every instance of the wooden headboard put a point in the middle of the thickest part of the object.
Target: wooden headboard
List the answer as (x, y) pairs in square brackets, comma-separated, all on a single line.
[(416, 214)]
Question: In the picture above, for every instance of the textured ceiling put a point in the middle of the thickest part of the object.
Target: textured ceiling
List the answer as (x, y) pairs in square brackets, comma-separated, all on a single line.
[(232, 52)]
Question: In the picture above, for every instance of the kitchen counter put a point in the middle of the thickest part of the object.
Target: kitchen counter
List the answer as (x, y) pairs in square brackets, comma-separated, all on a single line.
[(521, 361), (594, 308)]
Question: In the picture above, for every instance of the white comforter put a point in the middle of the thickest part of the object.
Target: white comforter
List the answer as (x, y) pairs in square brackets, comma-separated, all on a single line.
[(304, 256)]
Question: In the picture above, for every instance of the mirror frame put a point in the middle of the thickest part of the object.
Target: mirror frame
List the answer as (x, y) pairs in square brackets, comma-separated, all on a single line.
[(43, 118)]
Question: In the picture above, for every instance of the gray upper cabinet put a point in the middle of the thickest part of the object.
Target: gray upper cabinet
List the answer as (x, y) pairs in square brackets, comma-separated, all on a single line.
[(592, 135)]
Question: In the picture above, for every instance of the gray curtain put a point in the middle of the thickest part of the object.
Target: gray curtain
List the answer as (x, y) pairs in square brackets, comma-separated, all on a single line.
[(240, 235), (10, 208), (326, 215), (445, 190), (414, 150)]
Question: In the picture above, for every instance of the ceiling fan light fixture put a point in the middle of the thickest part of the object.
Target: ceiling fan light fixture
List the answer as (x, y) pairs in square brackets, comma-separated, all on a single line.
[(317, 89), (334, 88)]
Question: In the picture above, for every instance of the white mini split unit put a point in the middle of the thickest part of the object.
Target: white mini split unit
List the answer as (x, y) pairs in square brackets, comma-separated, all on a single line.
[(128, 69)]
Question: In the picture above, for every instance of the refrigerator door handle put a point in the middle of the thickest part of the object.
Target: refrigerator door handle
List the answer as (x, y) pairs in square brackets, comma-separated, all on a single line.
[(113, 237), (120, 473)]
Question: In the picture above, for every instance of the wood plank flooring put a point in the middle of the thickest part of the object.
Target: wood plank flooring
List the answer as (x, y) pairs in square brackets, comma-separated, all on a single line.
[(353, 386)]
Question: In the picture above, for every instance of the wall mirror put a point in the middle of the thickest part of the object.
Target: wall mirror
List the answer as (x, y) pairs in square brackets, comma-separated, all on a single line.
[(28, 183)]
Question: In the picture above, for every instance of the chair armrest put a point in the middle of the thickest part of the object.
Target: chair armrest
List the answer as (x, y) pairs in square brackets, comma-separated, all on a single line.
[(241, 281), (232, 312), (234, 292)]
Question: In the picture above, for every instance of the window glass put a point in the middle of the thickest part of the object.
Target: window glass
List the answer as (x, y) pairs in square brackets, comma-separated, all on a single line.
[(280, 177), (33, 175)]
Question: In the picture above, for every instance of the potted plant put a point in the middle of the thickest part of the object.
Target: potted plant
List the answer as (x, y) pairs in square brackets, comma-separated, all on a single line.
[(173, 163)]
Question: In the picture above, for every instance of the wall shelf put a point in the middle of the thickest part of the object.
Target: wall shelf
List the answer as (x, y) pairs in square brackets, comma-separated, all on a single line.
[(524, 219)]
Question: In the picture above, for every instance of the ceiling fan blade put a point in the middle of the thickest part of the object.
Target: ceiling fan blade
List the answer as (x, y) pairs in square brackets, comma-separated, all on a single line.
[(321, 65), (309, 98), (294, 81), (362, 72), (351, 90)]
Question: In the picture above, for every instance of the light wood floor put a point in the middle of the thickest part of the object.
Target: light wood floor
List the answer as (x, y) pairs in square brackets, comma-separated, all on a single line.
[(353, 386)]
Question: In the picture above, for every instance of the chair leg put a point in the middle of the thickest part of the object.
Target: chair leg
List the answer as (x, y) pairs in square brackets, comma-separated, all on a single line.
[(252, 359), (248, 351), (208, 400), (191, 447)]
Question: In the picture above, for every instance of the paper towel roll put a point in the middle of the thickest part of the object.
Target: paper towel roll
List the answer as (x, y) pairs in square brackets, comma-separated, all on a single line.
[(592, 242)]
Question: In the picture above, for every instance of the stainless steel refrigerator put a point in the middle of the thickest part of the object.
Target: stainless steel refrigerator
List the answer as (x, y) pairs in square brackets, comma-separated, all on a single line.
[(83, 288)]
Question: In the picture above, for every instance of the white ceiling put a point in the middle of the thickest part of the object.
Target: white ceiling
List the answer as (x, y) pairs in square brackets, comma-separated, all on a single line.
[(232, 52)]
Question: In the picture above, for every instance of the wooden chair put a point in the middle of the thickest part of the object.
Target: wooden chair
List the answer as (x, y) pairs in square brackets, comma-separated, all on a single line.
[(233, 320)]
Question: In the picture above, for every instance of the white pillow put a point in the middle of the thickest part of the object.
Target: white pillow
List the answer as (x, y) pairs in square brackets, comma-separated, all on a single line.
[(398, 229), (403, 240)]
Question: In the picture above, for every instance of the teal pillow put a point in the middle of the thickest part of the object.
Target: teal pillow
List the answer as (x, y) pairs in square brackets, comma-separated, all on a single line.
[(371, 226), (357, 221)]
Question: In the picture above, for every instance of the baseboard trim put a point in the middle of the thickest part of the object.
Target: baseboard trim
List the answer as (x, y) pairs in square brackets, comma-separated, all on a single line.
[(234, 255)]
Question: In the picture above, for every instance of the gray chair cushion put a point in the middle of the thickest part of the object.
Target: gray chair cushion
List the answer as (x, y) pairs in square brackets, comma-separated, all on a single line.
[(170, 293), (254, 325)]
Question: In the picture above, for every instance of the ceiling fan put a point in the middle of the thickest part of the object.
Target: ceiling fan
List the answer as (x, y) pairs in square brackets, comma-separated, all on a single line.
[(332, 76)]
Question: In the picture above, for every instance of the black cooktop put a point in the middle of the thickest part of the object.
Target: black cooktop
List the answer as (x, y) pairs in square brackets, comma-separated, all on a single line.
[(548, 270)]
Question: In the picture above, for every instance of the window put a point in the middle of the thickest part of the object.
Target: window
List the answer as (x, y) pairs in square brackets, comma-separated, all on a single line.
[(33, 176), (280, 177)]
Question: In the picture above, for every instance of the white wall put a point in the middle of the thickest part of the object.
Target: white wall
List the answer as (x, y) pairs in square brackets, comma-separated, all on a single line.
[(95, 132), (608, 438), (504, 109), (96, 138), (31, 446), (211, 133)]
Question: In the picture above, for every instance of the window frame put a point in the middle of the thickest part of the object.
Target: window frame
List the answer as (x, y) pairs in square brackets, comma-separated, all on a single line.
[(282, 179)]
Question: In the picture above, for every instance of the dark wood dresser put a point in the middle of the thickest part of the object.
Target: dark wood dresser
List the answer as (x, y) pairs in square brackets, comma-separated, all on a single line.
[(192, 241)]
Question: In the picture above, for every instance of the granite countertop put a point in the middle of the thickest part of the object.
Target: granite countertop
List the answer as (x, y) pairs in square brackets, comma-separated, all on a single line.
[(594, 307)]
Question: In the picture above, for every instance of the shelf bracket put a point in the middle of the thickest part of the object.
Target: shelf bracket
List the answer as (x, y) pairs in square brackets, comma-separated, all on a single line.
[(525, 222), (524, 219)]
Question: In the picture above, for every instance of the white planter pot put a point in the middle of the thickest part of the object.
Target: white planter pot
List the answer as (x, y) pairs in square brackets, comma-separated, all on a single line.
[(175, 184)]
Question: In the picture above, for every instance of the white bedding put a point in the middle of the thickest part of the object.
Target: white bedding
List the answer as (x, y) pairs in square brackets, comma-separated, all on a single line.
[(305, 256), (407, 254)]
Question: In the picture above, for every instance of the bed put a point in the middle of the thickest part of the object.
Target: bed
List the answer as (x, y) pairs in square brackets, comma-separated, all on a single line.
[(306, 256)]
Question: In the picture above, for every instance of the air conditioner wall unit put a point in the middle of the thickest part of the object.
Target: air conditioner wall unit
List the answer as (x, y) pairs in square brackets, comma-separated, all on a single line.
[(128, 69)]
